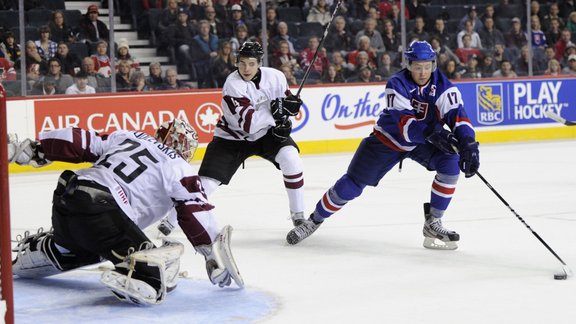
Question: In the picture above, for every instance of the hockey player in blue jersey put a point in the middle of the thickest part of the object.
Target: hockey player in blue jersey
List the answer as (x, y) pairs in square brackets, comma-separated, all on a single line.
[(420, 103)]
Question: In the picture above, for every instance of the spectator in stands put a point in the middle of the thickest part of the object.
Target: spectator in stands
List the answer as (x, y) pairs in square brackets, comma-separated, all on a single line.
[(331, 75), (450, 70), (415, 9), (571, 68), (489, 35), (571, 23), (339, 37), (319, 13), (45, 87), (154, 79), (364, 75), (95, 80), (489, 12), (561, 44), (102, 62), (33, 57), (58, 28), (207, 49), (222, 7), (271, 21), (168, 17), (290, 78), (124, 55), (11, 49), (443, 52), (390, 38), (566, 7), (171, 81), (554, 32), (342, 67), (538, 37), (472, 70), (363, 44), (475, 41), (62, 81), (92, 29), (283, 57), (196, 10), (419, 30), (237, 18), (471, 16), (370, 31), (138, 82), (553, 13), (394, 15), (70, 62), (223, 64), (505, 71), (307, 54), (535, 10), (362, 59), (569, 50), (385, 8), (32, 74), (466, 50), (7, 71), (554, 68), (46, 47), (549, 53), (487, 66), (362, 10), (239, 38), (440, 31), (180, 37), (385, 67), (499, 54), (516, 37), (123, 76), (283, 35), (251, 11), (81, 85), (217, 26)]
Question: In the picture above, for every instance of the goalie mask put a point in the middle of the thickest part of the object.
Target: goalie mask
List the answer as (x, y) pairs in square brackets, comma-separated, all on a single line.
[(180, 136)]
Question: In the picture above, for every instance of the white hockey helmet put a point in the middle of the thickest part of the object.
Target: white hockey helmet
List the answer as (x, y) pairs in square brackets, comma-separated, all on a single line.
[(180, 136)]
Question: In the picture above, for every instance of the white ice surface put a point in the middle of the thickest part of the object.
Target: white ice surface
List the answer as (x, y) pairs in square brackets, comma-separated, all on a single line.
[(366, 264)]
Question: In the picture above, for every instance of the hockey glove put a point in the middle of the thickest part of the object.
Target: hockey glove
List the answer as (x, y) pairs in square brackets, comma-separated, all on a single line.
[(28, 152), (292, 105), (282, 131), (469, 156), (443, 140)]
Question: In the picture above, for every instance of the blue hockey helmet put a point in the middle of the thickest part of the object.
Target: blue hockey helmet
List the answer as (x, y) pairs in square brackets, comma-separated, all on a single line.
[(420, 51)]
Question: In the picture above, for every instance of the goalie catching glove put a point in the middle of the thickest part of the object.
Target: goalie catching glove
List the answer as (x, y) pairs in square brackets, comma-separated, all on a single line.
[(284, 107), (28, 152)]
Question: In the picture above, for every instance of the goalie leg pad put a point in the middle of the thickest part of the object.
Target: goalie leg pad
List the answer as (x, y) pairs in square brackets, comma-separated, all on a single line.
[(147, 275), (220, 263)]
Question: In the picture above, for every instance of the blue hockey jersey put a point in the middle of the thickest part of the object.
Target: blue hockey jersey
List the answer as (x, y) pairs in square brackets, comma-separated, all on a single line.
[(413, 112)]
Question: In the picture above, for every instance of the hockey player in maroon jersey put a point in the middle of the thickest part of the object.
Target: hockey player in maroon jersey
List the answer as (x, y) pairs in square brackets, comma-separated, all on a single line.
[(99, 212), (257, 105), (420, 101)]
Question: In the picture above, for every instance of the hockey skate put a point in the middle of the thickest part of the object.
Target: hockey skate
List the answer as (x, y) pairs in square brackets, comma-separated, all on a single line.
[(302, 231), (435, 235), (297, 218)]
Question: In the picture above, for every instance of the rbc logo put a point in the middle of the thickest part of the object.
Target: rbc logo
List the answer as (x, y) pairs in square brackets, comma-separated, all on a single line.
[(489, 104)]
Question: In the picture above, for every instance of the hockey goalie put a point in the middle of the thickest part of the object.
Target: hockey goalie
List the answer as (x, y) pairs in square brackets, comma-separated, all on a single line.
[(98, 213)]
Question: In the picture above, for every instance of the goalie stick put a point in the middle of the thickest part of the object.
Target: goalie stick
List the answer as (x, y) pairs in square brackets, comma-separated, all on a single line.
[(559, 118)]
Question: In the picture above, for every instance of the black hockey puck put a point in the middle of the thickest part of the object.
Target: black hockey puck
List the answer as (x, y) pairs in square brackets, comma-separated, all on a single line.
[(562, 276)]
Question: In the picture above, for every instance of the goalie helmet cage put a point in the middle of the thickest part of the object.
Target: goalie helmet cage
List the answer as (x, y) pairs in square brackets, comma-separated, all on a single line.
[(6, 292)]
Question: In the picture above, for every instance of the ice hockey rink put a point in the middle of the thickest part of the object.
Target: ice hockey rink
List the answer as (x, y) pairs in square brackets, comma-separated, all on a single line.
[(366, 264)]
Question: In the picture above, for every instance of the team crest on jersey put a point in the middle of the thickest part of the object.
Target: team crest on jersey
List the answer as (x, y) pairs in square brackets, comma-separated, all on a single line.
[(207, 117), (489, 104), (420, 108)]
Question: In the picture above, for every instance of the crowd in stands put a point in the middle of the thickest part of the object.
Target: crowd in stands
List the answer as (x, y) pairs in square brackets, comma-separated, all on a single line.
[(479, 39)]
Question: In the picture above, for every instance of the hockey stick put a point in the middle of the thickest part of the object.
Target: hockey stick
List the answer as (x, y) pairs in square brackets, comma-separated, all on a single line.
[(558, 118), (318, 48), (560, 276)]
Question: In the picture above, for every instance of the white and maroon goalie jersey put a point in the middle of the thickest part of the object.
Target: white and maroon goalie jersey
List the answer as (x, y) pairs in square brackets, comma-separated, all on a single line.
[(246, 104), (146, 178)]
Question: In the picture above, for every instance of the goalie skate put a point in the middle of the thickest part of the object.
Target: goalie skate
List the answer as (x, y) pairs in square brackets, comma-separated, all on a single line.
[(435, 235)]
